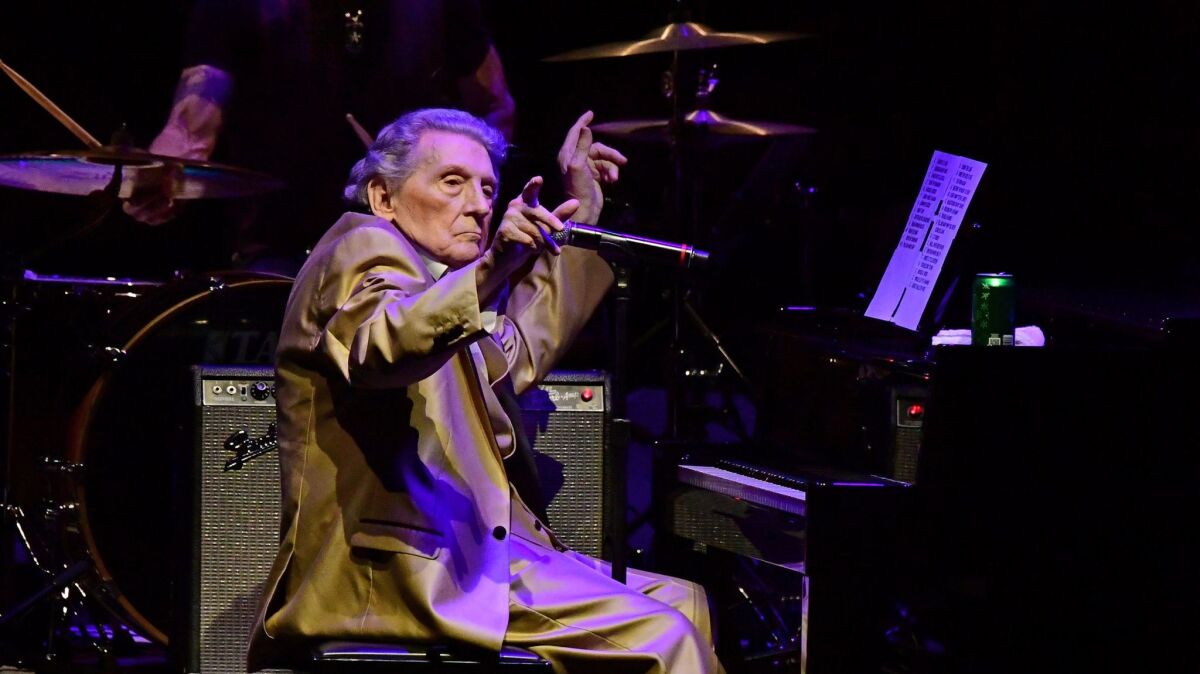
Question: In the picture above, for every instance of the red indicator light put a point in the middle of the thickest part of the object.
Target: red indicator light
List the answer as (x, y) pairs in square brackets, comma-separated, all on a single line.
[(587, 395), (915, 410)]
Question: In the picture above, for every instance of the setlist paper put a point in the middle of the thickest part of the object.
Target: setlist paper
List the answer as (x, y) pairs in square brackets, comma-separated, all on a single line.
[(912, 273)]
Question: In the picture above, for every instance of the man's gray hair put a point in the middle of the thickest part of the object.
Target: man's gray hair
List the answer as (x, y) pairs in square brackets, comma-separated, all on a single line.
[(391, 155)]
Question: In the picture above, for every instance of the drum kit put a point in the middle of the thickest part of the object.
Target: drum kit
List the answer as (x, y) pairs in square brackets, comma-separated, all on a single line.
[(91, 436), (97, 395)]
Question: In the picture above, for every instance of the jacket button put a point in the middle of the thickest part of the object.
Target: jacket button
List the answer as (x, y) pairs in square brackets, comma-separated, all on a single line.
[(499, 533), (537, 525)]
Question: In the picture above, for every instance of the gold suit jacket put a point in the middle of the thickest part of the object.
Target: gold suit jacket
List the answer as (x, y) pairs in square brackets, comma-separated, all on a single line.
[(395, 499)]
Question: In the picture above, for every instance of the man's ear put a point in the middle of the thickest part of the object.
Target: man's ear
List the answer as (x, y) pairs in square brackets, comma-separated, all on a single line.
[(379, 196)]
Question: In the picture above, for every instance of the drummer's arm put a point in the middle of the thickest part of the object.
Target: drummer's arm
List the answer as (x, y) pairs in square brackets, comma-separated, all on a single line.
[(196, 115), (191, 133), (485, 94)]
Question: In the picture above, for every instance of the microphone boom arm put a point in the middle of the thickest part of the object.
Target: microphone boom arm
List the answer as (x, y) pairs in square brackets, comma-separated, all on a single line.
[(630, 249)]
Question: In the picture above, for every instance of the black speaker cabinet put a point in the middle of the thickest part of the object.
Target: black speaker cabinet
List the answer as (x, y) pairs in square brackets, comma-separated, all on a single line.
[(235, 515), (566, 418)]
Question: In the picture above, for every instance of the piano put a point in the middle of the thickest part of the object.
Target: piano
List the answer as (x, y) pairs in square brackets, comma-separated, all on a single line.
[(770, 515), (1048, 526), (822, 537)]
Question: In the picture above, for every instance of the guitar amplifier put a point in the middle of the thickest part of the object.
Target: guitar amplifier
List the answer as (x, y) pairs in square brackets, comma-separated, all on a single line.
[(236, 511), (566, 418), (235, 515)]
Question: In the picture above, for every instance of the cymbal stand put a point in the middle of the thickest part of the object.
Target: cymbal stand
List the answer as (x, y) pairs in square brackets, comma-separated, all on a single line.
[(715, 340), (686, 191), (680, 216)]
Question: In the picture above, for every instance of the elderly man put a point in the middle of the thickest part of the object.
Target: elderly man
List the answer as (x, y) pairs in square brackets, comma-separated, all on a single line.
[(400, 520)]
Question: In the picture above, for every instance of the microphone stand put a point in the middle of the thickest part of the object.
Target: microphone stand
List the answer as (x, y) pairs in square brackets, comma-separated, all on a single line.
[(619, 425)]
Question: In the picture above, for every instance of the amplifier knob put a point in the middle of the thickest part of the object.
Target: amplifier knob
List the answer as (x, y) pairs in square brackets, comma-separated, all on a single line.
[(260, 390)]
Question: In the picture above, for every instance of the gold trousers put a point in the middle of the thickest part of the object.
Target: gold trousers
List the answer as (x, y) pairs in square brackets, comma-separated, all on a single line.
[(566, 607)]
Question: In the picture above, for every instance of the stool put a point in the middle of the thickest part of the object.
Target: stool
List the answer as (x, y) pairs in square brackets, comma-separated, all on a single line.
[(352, 657)]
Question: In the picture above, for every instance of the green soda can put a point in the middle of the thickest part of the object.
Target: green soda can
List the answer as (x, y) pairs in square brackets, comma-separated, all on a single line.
[(993, 310)]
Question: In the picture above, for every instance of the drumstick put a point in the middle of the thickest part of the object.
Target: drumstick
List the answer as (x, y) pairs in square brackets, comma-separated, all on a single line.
[(359, 130), (55, 111)]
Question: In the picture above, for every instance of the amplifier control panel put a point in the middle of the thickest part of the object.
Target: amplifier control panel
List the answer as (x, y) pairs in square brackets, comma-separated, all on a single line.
[(565, 397), (238, 392)]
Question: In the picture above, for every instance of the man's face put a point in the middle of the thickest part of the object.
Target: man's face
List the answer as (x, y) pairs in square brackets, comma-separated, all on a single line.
[(446, 204)]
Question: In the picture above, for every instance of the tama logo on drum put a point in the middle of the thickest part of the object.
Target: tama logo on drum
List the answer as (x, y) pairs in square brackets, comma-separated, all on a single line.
[(241, 346)]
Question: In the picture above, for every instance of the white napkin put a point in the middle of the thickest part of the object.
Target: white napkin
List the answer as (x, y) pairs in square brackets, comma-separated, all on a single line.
[(1030, 335)]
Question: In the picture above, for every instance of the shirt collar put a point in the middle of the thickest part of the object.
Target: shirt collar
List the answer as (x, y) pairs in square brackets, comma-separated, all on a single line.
[(436, 269)]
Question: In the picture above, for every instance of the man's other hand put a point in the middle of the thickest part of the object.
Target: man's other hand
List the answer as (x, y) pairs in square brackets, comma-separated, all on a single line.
[(586, 165)]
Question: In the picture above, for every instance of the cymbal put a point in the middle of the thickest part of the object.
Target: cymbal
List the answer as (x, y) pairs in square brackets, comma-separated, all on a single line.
[(675, 37), (85, 171), (703, 121)]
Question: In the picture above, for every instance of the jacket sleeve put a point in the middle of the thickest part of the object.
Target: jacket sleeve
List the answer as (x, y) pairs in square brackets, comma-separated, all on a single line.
[(547, 309), (388, 325)]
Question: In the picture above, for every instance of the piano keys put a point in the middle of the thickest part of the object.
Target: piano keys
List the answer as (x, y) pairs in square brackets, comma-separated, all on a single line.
[(771, 515)]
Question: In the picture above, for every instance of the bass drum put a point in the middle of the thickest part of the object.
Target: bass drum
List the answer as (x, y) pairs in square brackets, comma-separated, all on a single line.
[(133, 437)]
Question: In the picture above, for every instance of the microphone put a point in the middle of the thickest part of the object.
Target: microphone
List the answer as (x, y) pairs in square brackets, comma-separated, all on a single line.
[(627, 248)]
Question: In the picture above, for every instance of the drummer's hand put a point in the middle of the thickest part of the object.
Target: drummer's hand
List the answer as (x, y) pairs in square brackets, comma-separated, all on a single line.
[(155, 204), (191, 132), (522, 234), (585, 165)]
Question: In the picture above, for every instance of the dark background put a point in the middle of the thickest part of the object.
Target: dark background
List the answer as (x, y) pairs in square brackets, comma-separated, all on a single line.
[(1085, 114)]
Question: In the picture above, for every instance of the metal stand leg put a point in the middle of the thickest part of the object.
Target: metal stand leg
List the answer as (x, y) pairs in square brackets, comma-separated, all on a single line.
[(619, 426), (68, 601), (56, 585)]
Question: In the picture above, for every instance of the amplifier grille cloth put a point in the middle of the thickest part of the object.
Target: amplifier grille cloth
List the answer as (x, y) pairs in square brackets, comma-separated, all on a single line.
[(908, 447), (571, 443), (239, 529)]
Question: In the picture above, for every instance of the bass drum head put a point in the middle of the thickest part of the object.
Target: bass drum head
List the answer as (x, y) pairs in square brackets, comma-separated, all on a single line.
[(134, 433)]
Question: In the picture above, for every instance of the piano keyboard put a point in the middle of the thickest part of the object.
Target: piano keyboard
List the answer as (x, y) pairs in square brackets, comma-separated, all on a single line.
[(744, 487)]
